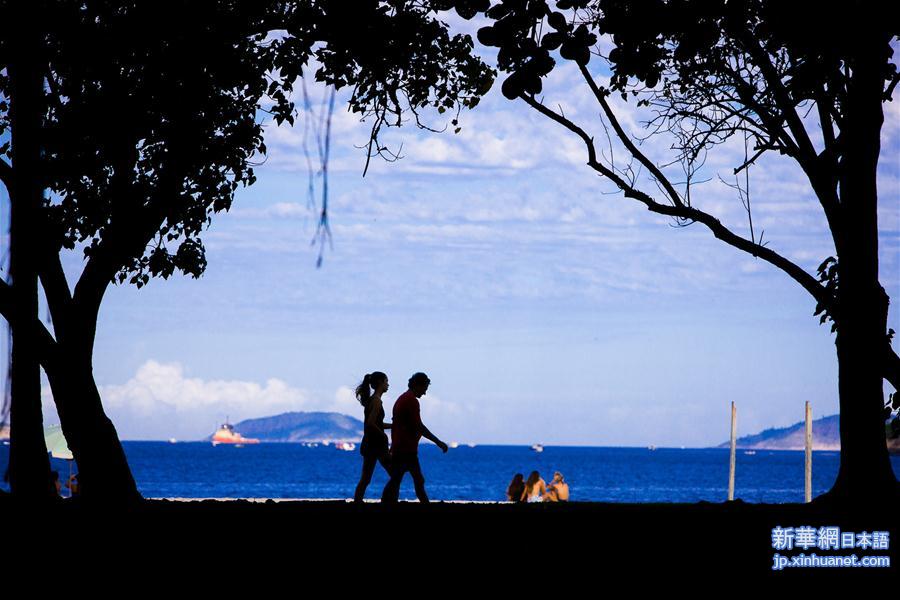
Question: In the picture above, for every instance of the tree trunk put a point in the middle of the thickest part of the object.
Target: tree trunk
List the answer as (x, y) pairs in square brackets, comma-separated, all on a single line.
[(865, 471), (29, 465), (103, 472)]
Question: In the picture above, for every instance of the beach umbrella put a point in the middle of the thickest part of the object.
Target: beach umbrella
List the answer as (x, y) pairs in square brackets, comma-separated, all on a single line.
[(56, 443)]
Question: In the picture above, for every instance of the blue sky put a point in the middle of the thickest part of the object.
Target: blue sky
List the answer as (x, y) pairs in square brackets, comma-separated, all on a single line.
[(544, 308)]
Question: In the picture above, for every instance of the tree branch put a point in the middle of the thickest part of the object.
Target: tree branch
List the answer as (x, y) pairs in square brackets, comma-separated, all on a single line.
[(782, 98), (824, 176), (891, 366), (6, 175), (626, 139), (820, 170), (132, 225), (722, 104), (56, 289), (46, 345), (889, 92), (6, 301), (819, 173), (752, 159), (689, 213), (821, 176), (825, 122), (122, 239), (588, 142), (746, 93), (96, 276)]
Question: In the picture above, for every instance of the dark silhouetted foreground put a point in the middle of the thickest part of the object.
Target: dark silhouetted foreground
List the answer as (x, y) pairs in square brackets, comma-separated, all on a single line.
[(679, 545)]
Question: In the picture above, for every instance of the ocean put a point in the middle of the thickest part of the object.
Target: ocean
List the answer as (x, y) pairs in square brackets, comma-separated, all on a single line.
[(480, 473)]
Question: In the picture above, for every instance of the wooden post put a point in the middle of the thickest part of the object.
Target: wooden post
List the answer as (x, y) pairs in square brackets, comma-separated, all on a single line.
[(808, 469), (731, 461)]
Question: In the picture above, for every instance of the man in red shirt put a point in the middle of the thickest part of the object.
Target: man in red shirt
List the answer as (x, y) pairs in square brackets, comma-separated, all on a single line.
[(406, 430)]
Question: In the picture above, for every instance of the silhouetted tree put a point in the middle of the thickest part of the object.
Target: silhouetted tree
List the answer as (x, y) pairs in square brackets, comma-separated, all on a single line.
[(142, 123), (29, 464), (709, 70)]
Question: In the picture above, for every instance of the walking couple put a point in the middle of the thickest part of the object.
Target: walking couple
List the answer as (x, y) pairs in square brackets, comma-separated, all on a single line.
[(406, 430)]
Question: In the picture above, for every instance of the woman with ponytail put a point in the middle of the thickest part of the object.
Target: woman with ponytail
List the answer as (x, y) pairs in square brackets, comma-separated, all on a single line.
[(374, 446)]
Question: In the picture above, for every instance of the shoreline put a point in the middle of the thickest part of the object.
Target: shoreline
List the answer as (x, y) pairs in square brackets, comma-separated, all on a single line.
[(264, 500)]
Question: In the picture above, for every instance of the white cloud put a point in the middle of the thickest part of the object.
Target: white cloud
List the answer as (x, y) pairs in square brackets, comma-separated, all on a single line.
[(160, 401), (507, 210), (163, 386)]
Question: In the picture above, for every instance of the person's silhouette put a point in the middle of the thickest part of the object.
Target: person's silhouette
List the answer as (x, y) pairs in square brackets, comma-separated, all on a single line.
[(405, 434), (516, 488), (374, 445)]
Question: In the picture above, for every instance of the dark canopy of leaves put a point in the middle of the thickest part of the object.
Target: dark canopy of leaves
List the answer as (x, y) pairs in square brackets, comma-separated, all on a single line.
[(152, 112), (689, 40), (713, 69), (708, 55)]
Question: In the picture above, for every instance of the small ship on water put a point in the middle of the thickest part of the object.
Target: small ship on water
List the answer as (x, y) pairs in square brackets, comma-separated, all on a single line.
[(227, 435)]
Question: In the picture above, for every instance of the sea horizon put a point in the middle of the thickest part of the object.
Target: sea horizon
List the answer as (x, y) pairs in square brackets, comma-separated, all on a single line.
[(280, 470), (486, 444)]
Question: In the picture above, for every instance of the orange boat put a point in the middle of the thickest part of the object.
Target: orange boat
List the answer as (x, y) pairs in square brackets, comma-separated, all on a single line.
[(227, 435)]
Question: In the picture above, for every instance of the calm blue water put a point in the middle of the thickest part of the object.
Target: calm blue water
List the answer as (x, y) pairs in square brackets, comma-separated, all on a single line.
[(197, 469)]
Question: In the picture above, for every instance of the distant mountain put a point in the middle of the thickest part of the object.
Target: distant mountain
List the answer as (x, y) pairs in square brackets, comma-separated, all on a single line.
[(302, 427), (826, 436)]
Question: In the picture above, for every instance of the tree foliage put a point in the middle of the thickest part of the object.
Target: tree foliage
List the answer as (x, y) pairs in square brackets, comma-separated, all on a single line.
[(709, 70), (150, 118), (796, 79), (153, 111)]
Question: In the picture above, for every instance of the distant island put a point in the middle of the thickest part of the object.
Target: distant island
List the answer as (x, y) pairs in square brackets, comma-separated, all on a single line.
[(826, 435), (302, 427)]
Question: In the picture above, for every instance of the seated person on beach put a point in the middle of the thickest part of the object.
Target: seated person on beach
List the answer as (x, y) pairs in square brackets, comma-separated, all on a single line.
[(558, 490), (535, 488), (74, 490), (516, 488)]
